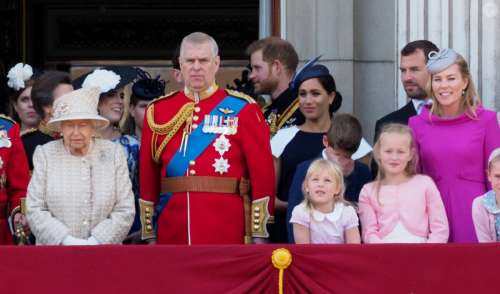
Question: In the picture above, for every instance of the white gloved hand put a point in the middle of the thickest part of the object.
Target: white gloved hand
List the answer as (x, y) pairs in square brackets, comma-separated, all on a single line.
[(92, 241), (70, 240)]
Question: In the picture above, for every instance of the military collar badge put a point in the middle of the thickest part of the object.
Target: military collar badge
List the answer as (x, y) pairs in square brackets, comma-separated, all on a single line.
[(226, 110)]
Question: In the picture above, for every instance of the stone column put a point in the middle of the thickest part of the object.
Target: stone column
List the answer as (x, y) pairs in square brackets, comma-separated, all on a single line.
[(471, 27)]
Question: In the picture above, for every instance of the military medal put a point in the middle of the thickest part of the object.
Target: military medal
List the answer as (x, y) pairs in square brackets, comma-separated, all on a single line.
[(4, 139), (222, 145), (221, 165), (220, 124)]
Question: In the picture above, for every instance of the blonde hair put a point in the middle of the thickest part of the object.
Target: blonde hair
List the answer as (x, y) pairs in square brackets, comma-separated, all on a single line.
[(470, 98), (411, 167), (332, 169), (494, 157)]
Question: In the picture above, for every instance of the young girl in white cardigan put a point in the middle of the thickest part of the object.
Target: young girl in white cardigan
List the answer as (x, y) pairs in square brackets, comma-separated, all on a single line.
[(485, 208), (324, 216)]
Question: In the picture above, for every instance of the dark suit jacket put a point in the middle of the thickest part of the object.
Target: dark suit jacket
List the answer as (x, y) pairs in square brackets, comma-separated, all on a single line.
[(401, 116)]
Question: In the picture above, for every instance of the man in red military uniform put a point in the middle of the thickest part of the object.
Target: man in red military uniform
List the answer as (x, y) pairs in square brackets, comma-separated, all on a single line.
[(14, 178), (206, 170)]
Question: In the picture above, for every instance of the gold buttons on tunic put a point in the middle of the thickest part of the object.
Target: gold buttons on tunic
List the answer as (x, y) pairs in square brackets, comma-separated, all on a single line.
[(197, 109), (196, 118), (192, 172), (192, 162), (195, 126)]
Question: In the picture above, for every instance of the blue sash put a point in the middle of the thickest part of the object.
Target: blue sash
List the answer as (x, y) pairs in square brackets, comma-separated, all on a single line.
[(199, 141)]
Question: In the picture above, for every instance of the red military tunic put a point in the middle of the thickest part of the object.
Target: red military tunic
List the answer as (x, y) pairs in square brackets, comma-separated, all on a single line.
[(14, 174), (206, 217)]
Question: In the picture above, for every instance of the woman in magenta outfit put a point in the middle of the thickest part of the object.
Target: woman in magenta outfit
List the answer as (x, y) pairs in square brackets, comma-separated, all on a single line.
[(454, 138)]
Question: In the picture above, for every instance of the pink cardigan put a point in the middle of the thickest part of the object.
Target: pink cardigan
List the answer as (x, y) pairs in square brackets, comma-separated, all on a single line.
[(416, 204), (484, 222)]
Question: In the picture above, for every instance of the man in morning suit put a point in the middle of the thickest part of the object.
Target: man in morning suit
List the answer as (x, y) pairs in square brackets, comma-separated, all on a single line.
[(414, 77)]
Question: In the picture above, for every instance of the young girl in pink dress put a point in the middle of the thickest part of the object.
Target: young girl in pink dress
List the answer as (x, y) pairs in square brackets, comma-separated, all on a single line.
[(485, 208), (324, 216), (401, 206)]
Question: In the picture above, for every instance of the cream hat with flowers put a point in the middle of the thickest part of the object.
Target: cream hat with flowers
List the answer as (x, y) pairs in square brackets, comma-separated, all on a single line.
[(78, 104)]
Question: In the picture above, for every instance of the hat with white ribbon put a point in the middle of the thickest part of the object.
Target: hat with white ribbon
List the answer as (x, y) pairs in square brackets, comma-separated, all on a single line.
[(441, 60), (80, 104)]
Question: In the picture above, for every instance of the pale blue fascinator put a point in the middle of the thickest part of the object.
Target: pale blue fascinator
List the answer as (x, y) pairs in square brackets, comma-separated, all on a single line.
[(439, 61)]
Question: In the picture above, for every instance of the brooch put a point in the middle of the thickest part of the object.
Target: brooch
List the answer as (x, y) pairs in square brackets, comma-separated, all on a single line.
[(222, 145), (4, 139), (221, 165)]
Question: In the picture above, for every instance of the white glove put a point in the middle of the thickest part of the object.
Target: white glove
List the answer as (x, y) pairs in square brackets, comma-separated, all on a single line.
[(70, 240), (92, 241)]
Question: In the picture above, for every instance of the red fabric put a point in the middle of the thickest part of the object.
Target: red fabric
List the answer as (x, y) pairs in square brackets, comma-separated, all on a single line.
[(248, 269), (214, 218), (14, 168)]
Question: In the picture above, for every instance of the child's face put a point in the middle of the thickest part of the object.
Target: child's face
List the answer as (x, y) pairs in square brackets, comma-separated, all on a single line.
[(342, 158), (395, 153), (494, 176), (322, 187)]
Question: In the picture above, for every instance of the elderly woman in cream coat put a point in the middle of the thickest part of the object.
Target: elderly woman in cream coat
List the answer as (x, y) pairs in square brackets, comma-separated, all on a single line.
[(80, 192)]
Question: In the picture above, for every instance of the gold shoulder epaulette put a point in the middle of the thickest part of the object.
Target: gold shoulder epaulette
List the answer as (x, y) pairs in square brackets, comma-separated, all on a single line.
[(240, 95), (162, 97), (28, 131), (7, 118)]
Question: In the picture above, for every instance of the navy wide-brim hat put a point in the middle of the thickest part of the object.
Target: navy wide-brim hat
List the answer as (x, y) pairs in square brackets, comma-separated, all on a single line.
[(317, 71), (146, 88), (127, 75)]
